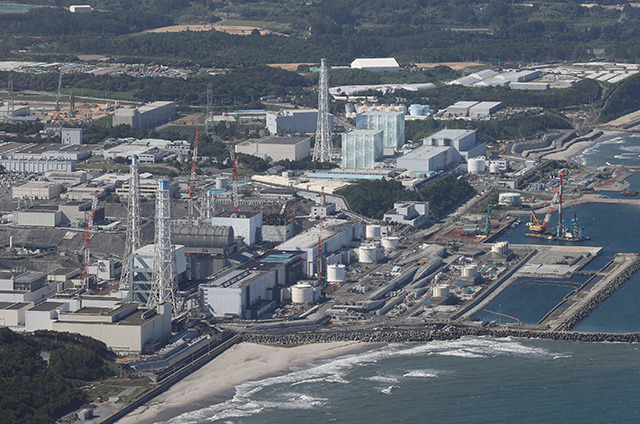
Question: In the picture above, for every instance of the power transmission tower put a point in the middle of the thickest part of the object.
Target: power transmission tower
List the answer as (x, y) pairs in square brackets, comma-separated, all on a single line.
[(322, 151), (209, 123), (134, 236), (10, 99)]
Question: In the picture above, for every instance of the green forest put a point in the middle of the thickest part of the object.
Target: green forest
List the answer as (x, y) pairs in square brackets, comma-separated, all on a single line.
[(341, 30), (32, 391), (373, 198)]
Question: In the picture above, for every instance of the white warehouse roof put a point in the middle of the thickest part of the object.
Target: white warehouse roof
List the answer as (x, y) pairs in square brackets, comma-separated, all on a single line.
[(383, 62)]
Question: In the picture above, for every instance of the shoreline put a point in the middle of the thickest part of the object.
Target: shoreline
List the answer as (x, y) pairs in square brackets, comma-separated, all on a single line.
[(579, 147), (216, 381)]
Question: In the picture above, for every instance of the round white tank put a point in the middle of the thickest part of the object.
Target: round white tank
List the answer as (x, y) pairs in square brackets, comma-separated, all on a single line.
[(469, 271), (302, 293), (510, 199), (476, 166), (494, 168), (441, 291), (222, 183), (336, 273), (390, 243), (368, 254), (501, 247), (373, 232)]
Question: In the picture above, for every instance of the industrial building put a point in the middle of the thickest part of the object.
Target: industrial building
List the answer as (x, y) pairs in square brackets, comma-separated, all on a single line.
[(297, 121), (122, 326), (148, 187), (253, 289), (141, 266), (415, 214), (385, 64), (390, 123), (71, 135), (464, 141), (429, 158), (245, 224), (150, 115), (474, 78), (41, 151), (207, 247), (362, 148), (337, 237), (36, 190), (37, 166), (17, 111), (26, 286), (144, 153), (277, 148), (66, 178), (484, 109), (80, 8), (72, 213)]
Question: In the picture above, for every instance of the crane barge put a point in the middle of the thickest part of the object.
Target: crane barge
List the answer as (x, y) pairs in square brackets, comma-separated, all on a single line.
[(539, 228)]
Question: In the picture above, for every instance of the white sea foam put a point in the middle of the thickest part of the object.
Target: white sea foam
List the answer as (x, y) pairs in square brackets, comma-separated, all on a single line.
[(388, 390), (383, 379), (422, 374)]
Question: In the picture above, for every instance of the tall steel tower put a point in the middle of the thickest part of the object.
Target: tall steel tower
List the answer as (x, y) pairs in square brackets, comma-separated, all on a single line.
[(209, 122), (163, 283), (10, 99), (134, 236), (322, 151)]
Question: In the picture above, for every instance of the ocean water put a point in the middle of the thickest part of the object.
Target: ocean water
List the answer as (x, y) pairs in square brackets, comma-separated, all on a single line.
[(621, 150), (471, 380), (615, 228)]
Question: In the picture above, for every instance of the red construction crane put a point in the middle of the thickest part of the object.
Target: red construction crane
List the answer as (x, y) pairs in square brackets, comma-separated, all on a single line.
[(192, 183), (87, 240)]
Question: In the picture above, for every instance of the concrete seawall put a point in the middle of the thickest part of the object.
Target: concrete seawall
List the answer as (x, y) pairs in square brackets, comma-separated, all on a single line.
[(432, 333)]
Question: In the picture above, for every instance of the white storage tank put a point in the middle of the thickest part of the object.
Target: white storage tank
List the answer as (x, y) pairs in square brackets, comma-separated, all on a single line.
[(222, 183), (469, 271), (441, 291), (476, 166), (336, 273), (494, 168), (373, 232), (510, 199), (368, 253), (501, 247), (390, 243), (302, 293)]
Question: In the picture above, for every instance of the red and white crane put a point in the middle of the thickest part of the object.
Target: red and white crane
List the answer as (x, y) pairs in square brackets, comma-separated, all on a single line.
[(192, 183), (87, 240)]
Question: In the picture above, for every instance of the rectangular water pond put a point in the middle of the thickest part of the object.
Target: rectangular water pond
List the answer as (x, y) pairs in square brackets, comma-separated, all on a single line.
[(528, 300)]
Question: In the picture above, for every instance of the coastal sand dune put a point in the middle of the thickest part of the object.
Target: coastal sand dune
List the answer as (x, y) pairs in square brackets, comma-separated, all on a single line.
[(241, 363)]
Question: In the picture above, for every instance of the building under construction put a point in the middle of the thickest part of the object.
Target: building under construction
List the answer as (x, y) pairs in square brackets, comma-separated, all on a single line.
[(278, 215)]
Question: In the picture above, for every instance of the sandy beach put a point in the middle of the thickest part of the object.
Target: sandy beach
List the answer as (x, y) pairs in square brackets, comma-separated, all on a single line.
[(241, 363)]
